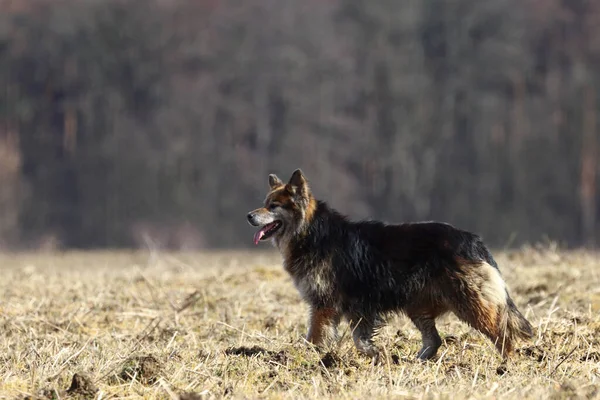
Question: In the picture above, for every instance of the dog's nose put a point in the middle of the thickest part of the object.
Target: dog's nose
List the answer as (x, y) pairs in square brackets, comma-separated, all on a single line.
[(249, 217)]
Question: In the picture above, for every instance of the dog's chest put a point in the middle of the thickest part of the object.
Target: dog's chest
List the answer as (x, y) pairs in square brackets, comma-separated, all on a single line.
[(313, 278)]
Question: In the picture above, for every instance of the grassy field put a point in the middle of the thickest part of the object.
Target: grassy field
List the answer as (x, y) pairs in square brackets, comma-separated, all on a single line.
[(231, 324)]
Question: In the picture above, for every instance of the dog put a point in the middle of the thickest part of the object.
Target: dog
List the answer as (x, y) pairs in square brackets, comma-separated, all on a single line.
[(364, 271)]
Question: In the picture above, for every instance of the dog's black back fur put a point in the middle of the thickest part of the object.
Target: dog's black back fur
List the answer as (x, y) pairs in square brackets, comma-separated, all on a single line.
[(380, 267)]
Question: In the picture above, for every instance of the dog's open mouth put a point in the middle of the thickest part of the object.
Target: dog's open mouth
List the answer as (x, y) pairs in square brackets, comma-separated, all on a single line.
[(267, 231)]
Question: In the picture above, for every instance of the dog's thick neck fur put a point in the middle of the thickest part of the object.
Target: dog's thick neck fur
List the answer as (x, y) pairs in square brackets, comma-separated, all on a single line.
[(321, 225), (317, 223)]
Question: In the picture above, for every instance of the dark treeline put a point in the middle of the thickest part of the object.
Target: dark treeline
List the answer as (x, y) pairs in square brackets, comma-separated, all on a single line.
[(127, 120)]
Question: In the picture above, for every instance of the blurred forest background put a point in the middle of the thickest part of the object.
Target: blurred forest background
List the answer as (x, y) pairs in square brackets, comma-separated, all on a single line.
[(124, 121)]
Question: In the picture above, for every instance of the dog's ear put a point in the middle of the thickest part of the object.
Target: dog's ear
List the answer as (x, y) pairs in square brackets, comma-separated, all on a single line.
[(298, 183), (274, 181)]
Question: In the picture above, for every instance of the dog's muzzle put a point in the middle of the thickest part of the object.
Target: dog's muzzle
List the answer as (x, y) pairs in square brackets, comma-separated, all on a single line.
[(251, 219)]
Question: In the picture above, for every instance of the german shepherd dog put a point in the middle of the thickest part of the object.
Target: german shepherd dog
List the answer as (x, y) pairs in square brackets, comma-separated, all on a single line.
[(364, 271)]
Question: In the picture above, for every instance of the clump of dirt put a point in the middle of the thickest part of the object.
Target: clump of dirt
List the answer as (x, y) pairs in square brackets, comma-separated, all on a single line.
[(279, 357), (246, 351), (591, 357), (502, 369), (82, 387), (535, 353), (457, 368), (331, 360), (270, 374), (270, 322), (228, 390), (397, 357), (145, 369)]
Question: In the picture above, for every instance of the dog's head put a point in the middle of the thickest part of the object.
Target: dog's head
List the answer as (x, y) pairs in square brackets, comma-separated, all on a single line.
[(287, 210)]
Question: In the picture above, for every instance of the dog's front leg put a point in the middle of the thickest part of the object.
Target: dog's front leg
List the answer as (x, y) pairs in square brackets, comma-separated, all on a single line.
[(321, 320)]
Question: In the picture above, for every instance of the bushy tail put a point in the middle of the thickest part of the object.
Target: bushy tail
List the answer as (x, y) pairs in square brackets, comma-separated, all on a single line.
[(496, 315), (512, 325), (484, 303), (516, 326)]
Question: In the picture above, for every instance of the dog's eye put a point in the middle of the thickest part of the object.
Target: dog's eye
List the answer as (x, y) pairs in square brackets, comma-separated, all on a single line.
[(272, 207)]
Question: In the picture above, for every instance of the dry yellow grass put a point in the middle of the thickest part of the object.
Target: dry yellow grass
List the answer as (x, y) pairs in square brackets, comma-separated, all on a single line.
[(231, 324)]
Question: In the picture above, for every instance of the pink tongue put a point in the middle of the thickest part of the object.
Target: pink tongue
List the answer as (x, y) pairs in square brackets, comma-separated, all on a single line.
[(259, 234)]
